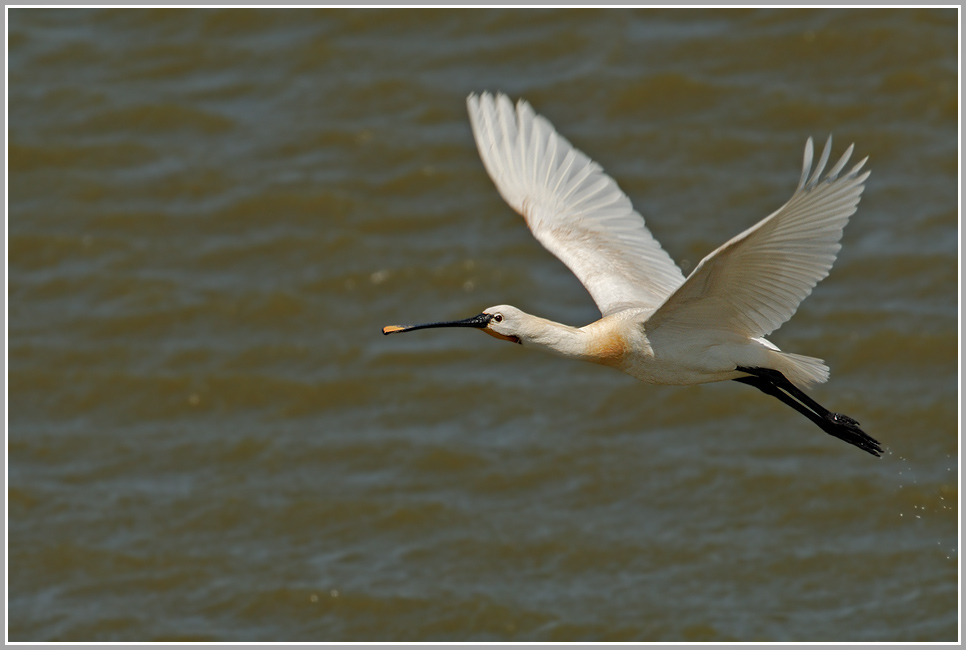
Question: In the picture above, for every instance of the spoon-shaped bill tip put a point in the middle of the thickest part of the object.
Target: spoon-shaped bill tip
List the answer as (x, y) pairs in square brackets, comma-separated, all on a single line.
[(389, 329)]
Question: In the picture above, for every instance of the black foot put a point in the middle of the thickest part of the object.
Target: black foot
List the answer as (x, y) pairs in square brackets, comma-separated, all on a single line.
[(841, 418), (847, 429)]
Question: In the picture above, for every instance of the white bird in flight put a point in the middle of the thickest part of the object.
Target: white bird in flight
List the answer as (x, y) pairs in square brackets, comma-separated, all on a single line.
[(656, 325)]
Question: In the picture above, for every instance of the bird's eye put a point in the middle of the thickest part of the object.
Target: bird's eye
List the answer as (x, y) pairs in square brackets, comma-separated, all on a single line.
[(498, 318)]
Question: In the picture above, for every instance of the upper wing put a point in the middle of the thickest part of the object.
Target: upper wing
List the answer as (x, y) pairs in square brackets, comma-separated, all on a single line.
[(755, 282), (571, 206)]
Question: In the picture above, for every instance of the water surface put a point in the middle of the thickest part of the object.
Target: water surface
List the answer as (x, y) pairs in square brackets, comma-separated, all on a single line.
[(212, 213)]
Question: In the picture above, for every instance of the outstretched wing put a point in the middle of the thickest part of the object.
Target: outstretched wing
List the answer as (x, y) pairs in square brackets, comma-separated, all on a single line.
[(753, 283), (571, 206)]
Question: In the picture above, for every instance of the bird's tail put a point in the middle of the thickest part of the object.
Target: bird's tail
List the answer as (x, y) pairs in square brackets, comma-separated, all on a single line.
[(803, 371)]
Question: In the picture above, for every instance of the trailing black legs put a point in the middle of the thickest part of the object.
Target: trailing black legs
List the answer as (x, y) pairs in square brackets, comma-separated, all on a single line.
[(772, 382)]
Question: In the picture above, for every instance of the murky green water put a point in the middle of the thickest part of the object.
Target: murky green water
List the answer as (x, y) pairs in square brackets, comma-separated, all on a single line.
[(212, 213)]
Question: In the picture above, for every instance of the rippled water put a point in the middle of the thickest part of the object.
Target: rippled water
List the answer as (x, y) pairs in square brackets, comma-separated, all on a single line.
[(212, 213)]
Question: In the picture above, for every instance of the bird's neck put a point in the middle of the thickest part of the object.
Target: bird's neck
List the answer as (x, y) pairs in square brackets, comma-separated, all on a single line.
[(552, 337), (598, 342)]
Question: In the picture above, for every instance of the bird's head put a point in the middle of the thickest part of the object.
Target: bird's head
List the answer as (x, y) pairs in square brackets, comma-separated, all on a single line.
[(502, 322)]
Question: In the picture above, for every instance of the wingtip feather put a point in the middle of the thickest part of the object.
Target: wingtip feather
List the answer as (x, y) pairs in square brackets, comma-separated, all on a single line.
[(806, 162)]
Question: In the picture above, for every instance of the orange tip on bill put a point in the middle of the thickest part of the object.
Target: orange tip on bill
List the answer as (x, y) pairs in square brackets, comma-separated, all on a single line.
[(389, 329)]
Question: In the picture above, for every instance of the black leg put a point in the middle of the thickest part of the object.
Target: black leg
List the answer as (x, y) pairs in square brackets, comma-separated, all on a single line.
[(769, 388), (771, 382)]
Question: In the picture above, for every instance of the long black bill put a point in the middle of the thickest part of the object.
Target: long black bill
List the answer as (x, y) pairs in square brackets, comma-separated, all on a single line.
[(478, 322)]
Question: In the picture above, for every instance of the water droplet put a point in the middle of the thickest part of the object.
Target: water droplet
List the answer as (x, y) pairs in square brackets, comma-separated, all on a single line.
[(379, 277)]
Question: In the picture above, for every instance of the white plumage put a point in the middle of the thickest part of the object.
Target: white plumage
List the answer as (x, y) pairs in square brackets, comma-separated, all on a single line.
[(571, 206), (656, 325)]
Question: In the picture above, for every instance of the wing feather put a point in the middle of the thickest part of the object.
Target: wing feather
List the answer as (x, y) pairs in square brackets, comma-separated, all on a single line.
[(574, 209), (754, 282)]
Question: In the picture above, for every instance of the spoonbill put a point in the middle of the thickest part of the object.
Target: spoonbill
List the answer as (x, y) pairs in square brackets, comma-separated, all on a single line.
[(656, 325)]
